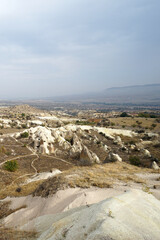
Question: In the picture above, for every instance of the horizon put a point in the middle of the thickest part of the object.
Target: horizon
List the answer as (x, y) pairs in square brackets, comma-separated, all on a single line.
[(89, 94)]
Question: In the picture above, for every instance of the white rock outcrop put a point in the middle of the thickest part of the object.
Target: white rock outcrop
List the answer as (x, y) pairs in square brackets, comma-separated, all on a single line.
[(155, 165), (115, 157), (43, 139), (76, 148), (146, 153), (89, 156), (131, 216)]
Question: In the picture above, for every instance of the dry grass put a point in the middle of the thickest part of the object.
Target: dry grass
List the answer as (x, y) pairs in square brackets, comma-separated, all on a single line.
[(129, 122), (155, 151), (5, 209), (25, 190), (12, 234), (10, 130), (102, 176)]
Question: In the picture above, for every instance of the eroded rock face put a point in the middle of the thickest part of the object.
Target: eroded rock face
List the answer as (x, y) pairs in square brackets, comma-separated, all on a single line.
[(113, 157), (76, 147), (86, 144), (88, 157), (43, 140)]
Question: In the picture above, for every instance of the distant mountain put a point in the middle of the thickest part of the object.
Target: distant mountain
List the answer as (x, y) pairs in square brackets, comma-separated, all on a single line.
[(137, 93), (129, 94)]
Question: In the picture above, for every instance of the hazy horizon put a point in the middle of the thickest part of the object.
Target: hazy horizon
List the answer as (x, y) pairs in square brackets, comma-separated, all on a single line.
[(66, 47)]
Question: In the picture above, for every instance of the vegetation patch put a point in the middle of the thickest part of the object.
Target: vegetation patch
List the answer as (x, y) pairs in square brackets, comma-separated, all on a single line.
[(11, 166), (134, 160), (24, 135), (102, 176)]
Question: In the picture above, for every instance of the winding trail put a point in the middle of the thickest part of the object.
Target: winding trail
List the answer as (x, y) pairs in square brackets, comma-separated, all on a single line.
[(59, 159), (21, 156), (33, 153)]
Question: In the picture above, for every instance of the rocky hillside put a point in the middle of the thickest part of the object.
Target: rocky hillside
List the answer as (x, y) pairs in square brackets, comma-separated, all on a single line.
[(87, 145), (25, 109)]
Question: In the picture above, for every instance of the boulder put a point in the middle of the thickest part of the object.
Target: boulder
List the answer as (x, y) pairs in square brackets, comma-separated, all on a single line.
[(106, 148), (146, 153), (155, 165), (113, 157), (118, 140)]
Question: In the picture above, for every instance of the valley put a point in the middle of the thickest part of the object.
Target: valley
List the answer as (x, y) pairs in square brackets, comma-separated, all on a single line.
[(52, 162)]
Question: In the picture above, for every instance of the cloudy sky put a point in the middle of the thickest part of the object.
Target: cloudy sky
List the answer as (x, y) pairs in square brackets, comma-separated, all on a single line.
[(62, 47)]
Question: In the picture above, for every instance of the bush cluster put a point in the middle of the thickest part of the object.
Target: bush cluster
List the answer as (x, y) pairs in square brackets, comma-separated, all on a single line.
[(24, 135), (134, 160), (11, 166)]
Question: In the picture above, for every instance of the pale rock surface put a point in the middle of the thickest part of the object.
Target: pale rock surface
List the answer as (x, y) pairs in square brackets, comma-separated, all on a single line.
[(115, 157), (112, 132), (133, 147), (36, 122), (43, 139), (5, 121), (134, 215), (88, 155), (106, 148), (62, 201), (76, 149), (155, 165), (43, 175), (146, 153), (118, 140), (53, 118), (152, 135)]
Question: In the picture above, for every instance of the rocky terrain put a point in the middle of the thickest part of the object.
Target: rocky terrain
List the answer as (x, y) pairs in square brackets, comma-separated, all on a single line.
[(51, 162)]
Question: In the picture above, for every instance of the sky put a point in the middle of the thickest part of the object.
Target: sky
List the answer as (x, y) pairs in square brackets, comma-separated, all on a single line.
[(65, 47)]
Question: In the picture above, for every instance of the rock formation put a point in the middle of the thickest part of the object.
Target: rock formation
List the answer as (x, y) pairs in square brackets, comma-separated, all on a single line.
[(132, 215)]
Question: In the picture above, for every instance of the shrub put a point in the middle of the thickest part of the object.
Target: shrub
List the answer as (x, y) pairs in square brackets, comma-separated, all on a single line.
[(146, 115), (157, 145), (134, 160), (132, 142), (11, 166), (19, 189), (85, 162), (124, 114), (2, 149), (24, 126), (8, 153), (24, 135)]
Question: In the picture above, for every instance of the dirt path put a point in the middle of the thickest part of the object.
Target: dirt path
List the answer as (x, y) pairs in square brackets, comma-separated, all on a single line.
[(60, 159), (37, 157)]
